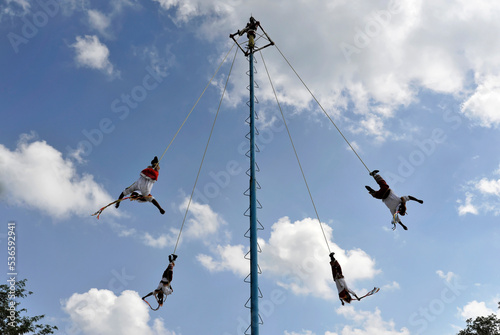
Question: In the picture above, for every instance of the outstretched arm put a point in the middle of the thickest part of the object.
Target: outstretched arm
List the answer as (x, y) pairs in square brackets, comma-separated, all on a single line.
[(415, 199)]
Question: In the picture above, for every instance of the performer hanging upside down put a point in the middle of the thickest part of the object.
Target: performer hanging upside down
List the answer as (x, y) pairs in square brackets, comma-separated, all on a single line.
[(165, 286), (141, 189), (397, 205), (338, 277)]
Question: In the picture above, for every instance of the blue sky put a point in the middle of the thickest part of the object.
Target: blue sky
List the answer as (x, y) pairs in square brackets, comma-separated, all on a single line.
[(92, 91)]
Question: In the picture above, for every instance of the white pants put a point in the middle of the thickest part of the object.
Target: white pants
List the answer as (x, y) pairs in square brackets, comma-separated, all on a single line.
[(143, 186), (341, 285)]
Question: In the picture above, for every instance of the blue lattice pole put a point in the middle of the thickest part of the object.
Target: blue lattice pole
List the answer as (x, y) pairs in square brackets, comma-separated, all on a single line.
[(254, 278)]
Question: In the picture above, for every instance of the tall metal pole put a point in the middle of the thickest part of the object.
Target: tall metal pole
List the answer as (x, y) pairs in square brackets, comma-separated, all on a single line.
[(250, 30), (254, 272)]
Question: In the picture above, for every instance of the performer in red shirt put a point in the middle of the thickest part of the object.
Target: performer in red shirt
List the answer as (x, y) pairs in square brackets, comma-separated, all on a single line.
[(142, 187)]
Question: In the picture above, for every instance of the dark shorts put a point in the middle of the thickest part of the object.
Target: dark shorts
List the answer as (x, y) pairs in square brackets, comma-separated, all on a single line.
[(384, 190)]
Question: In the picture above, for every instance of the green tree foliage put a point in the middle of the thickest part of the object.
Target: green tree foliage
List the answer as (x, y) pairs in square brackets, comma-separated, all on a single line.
[(11, 321), (482, 325)]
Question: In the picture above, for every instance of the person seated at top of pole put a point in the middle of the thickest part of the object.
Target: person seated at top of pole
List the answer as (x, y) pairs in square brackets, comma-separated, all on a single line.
[(141, 189), (251, 30), (396, 204)]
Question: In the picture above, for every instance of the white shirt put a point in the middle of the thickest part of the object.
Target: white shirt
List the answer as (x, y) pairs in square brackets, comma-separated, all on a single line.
[(392, 202)]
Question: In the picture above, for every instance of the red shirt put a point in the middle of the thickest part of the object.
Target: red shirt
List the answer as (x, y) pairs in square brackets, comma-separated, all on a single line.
[(150, 173)]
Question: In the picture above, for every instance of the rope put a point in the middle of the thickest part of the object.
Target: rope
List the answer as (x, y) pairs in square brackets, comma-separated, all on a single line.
[(296, 155), (205, 152), (196, 103), (328, 116)]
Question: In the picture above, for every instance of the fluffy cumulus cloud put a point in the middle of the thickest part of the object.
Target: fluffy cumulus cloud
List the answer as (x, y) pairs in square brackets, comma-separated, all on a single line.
[(185, 10), (201, 223), (228, 257), (102, 312), (91, 53), (367, 323), (161, 241), (483, 105), (369, 57), (475, 308), (296, 257), (203, 220), (481, 196), (35, 175)]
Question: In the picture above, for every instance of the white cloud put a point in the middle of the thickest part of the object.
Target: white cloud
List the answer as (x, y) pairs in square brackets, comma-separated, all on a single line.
[(231, 257), (481, 195), (391, 287), (446, 276), (68, 7), (204, 220), (201, 223), (297, 258), (395, 50), (160, 61), (35, 175), (91, 53), (102, 312), (303, 332), (122, 230), (99, 21), (484, 103), (185, 10), (162, 241), (105, 23), (372, 124), (467, 207), (475, 308), (489, 186), (355, 146), (119, 5), (367, 323)]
